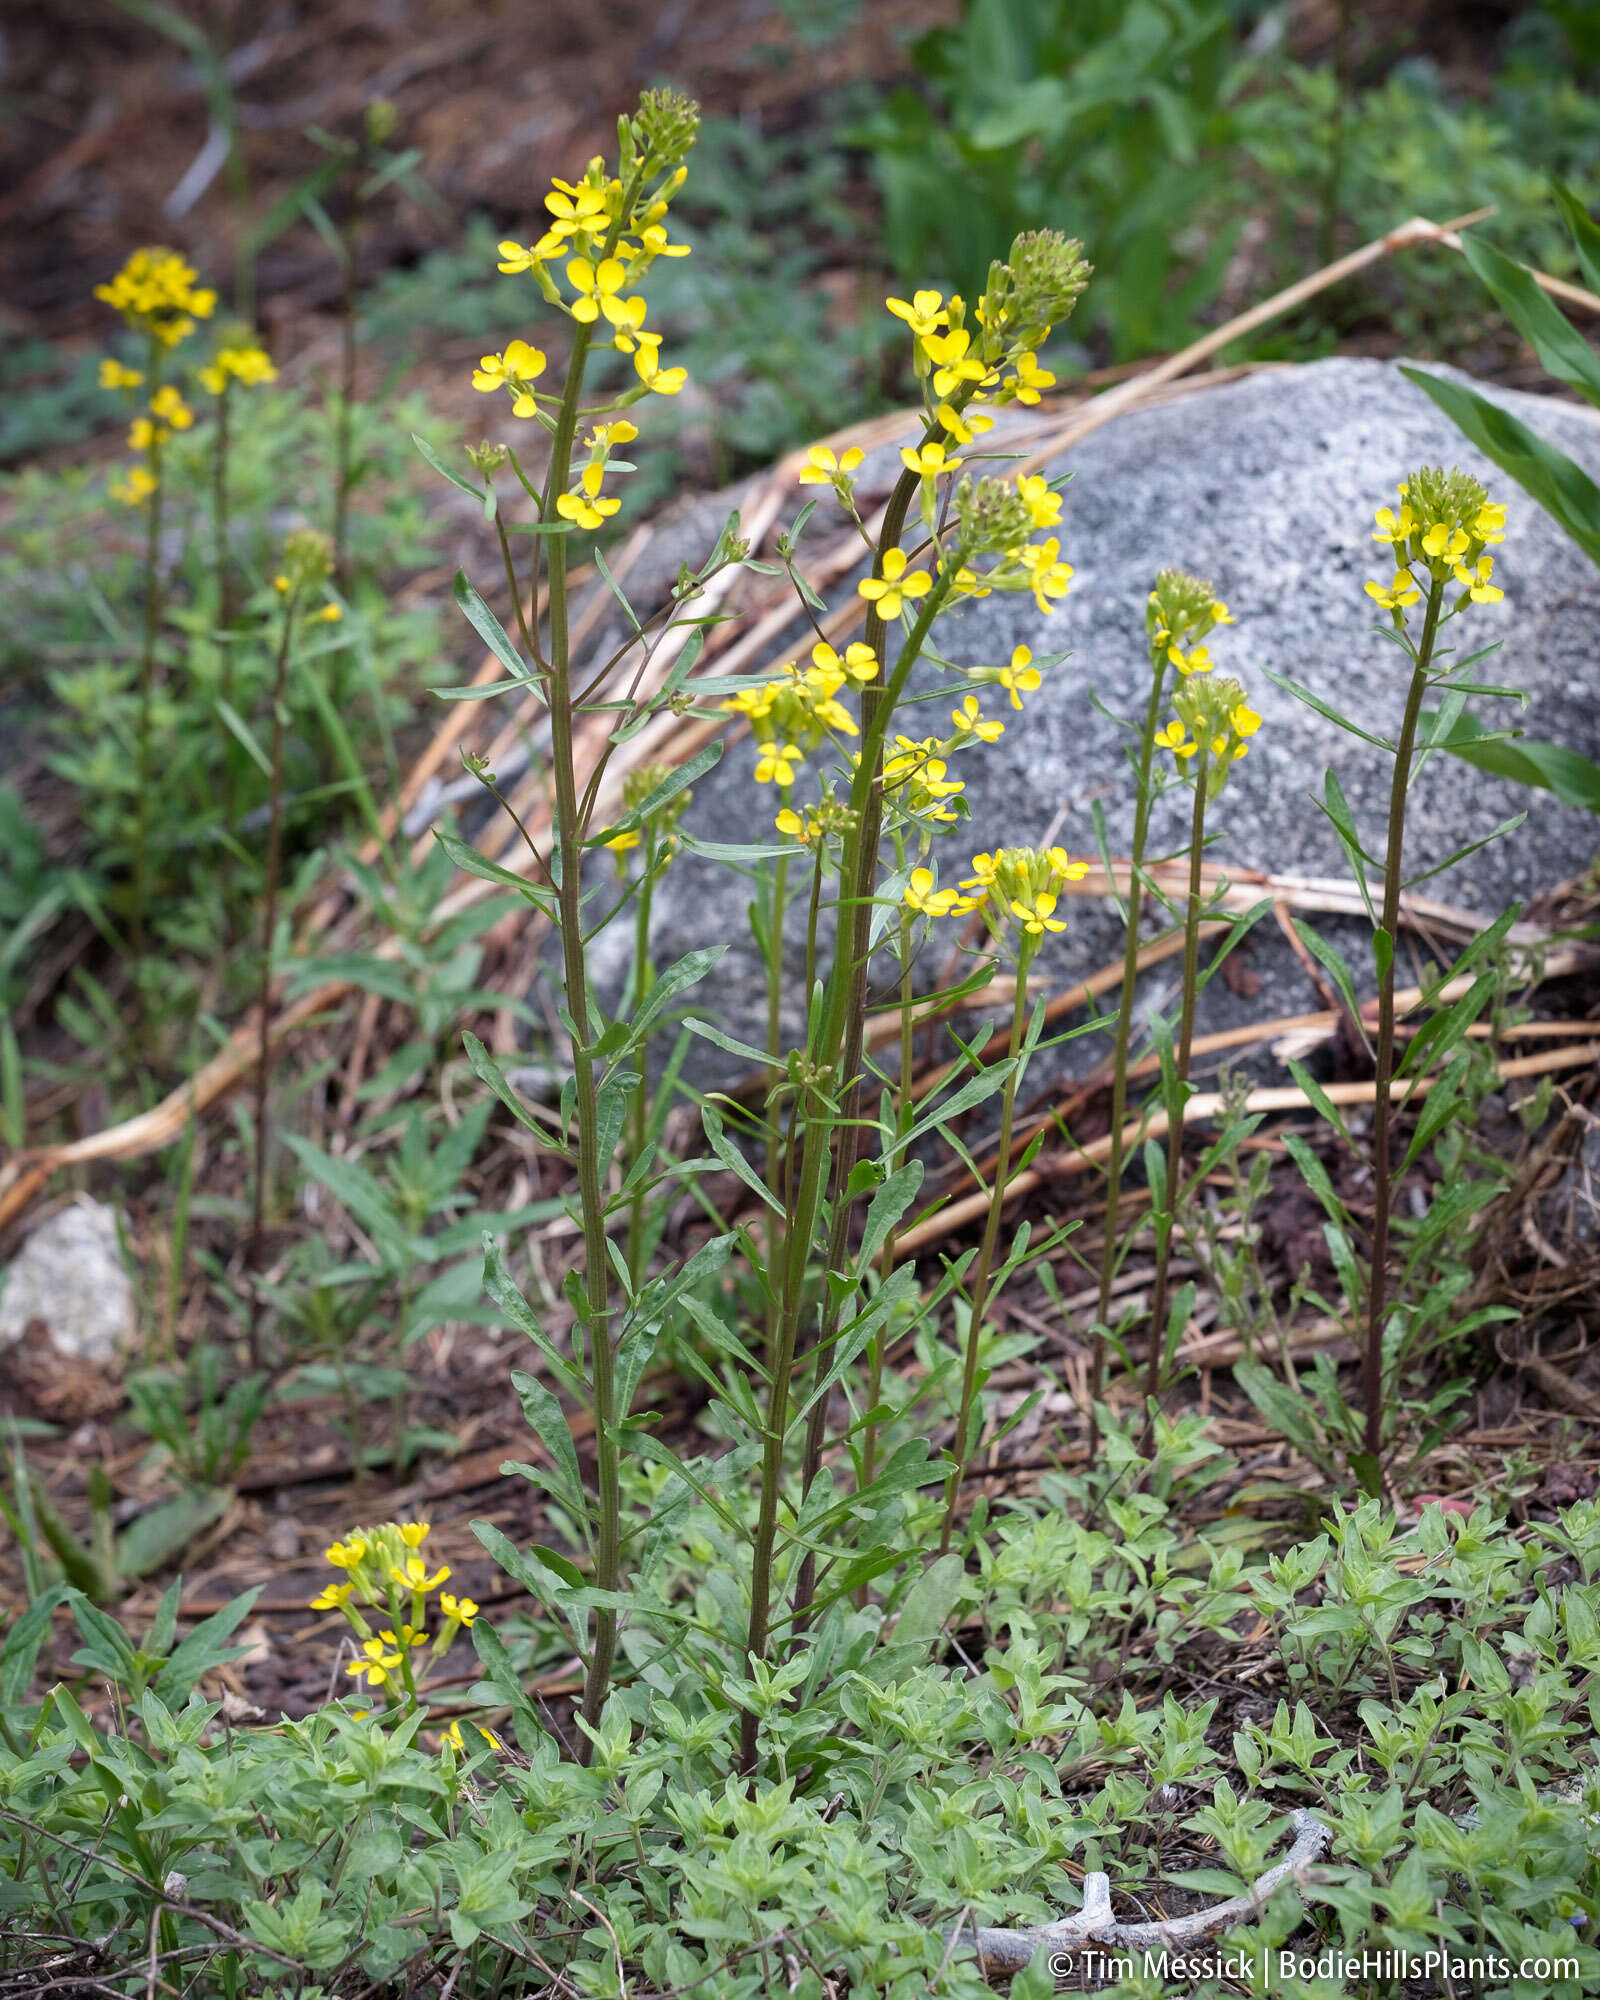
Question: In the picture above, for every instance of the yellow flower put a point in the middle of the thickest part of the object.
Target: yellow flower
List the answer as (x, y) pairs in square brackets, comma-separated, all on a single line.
[(142, 434), (859, 664), (156, 292), (775, 763), (647, 366), (114, 376), (514, 257), (963, 428), (452, 1735), (952, 363), (330, 614), (597, 287), (347, 1554), (1477, 583), (1196, 661), (170, 407), (1043, 503), (1021, 677), (1175, 738), (928, 460), (969, 722), (793, 826), (1490, 525), (1444, 543), (1030, 378), (135, 486), (331, 1597), (1402, 591), (1050, 576), (576, 209), (654, 240), (586, 511), (519, 364), (375, 1665), (891, 590), (920, 895), (1245, 720), (822, 468), (461, 1609), (1221, 615), (924, 314), (413, 1575), (1034, 913), (1394, 527)]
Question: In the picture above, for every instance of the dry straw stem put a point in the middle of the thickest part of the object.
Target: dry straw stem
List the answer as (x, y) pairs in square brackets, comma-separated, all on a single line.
[(27, 1173), (1205, 1105)]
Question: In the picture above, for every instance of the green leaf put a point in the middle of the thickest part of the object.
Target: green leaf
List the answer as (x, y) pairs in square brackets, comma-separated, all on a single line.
[(205, 1648), (471, 862), (489, 629), (23, 1642), (1551, 767), (734, 1160), (1585, 235), (154, 1538), (443, 470), (1320, 1100), (930, 1602), (887, 1206), (1564, 490), (1561, 349), (548, 1421)]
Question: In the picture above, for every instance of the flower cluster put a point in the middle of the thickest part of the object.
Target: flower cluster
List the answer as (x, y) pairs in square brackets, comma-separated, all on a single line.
[(241, 361), (307, 564), (385, 1575), (1211, 730), (603, 233), (963, 357), (1018, 888), (156, 294), (1182, 612), (793, 715), (1445, 526), (654, 827)]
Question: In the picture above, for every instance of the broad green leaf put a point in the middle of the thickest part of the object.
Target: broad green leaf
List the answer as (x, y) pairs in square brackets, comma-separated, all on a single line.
[(1551, 767), (1562, 350)]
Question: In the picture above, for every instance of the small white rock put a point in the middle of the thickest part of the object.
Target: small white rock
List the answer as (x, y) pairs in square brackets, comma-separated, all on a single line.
[(69, 1275)]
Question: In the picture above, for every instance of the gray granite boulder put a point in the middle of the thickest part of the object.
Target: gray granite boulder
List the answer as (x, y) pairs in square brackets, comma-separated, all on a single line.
[(1268, 487)]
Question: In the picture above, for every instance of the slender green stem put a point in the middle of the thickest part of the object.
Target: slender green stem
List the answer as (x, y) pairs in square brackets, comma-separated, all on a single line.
[(147, 691), (904, 1106), (1382, 1163), (991, 1236), (1180, 1087), (219, 515), (344, 421), (777, 911), (269, 925), (1119, 1057), (591, 1167), (644, 977)]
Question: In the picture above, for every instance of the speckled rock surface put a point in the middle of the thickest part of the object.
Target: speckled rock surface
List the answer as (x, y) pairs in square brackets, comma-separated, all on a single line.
[(1268, 487)]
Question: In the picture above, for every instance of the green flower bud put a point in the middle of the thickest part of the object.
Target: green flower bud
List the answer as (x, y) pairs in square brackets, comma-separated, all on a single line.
[(993, 516), (487, 457), (383, 121), (307, 559), (664, 128), (1034, 290)]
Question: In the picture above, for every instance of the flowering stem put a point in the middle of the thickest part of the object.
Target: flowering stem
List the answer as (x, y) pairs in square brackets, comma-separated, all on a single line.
[(569, 892), (1180, 1086), (1382, 1165), (773, 951), (1119, 1057), (644, 977), (269, 925), (147, 689), (902, 1120), (991, 1237), (847, 990)]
